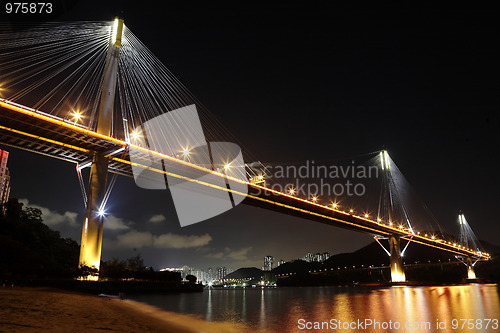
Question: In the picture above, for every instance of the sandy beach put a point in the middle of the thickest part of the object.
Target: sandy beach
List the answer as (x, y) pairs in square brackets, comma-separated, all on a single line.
[(24, 309)]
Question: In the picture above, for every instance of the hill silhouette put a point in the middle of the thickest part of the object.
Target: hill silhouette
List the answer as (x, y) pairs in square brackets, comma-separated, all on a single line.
[(246, 273), (372, 255)]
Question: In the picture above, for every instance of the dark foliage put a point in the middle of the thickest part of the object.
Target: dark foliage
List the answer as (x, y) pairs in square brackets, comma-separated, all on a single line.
[(133, 269), (30, 249), (191, 278)]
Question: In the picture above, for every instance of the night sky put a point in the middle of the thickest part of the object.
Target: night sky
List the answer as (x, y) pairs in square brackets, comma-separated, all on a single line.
[(295, 81)]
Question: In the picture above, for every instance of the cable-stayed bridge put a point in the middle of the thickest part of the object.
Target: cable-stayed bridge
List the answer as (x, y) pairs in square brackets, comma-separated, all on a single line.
[(91, 93)]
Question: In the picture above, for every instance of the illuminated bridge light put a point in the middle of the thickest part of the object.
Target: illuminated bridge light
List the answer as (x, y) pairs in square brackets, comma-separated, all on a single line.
[(77, 116), (185, 152), (135, 135), (291, 190), (314, 198), (334, 205), (227, 166), (351, 211), (367, 216)]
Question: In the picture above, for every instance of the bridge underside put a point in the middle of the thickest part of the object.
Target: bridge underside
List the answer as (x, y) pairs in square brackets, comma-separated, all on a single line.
[(41, 136), (323, 214), (27, 129)]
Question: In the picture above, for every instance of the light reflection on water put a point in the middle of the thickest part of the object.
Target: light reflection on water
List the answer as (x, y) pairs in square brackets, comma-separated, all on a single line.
[(281, 309)]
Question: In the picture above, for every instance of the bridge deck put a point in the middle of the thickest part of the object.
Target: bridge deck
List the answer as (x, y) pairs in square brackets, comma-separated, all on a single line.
[(35, 131), (32, 130)]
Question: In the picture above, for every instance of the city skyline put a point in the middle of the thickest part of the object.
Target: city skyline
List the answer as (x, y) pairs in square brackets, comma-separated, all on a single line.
[(207, 275)]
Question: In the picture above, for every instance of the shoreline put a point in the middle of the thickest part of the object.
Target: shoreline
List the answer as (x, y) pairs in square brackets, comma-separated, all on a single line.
[(41, 309)]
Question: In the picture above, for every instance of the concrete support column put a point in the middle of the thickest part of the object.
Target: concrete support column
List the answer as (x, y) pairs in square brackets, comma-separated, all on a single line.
[(397, 268), (90, 248), (471, 274)]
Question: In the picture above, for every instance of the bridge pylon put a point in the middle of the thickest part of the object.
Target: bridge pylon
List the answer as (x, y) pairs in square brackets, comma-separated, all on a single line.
[(468, 239), (91, 244), (471, 274), (397, 267)]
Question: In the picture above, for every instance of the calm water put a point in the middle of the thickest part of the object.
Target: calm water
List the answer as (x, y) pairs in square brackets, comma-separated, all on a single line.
[(344, 309)]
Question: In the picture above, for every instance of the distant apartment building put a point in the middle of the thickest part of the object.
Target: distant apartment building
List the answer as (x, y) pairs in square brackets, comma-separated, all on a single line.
[(268, 263), (316, 257), (201, 275), (308, 257), (4, 177), (221, 273), (323, 256)]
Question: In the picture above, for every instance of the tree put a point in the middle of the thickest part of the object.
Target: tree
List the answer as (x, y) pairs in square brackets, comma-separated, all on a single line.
[(84, 271), (13, 208), (191, 278), (32, 214), (34, 250), (136, 263), (113, 269)]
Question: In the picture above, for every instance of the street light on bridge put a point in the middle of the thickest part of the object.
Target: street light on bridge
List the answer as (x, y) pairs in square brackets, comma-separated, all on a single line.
[(77, 116), (135, 135)]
